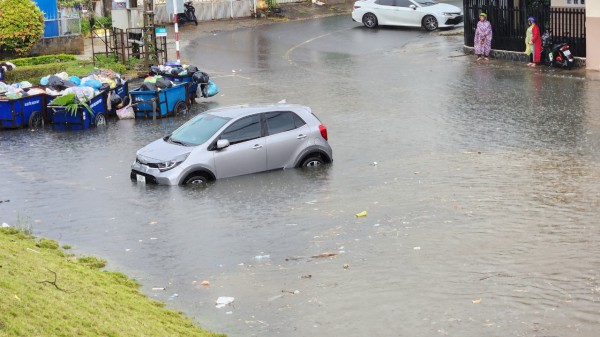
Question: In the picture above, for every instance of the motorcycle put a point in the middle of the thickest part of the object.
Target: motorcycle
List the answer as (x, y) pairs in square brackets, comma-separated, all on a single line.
[(188, 15), (557, 55)]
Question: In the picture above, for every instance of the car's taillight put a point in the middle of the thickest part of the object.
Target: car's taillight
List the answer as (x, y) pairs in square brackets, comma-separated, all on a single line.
[(323, 130), (355, 7)]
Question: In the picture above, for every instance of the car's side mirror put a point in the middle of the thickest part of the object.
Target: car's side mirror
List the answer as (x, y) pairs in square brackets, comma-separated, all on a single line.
[(412, 6), (222, 143)]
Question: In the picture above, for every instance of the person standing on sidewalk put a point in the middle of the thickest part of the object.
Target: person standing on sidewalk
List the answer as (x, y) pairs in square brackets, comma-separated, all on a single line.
[(483, 38), (528, 45), (535, 42)]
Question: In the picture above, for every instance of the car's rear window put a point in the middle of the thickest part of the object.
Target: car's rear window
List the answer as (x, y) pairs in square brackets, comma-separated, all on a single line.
[(199, 129)]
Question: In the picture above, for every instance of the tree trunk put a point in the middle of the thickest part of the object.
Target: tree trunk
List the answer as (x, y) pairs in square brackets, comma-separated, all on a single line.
[(107, 6)]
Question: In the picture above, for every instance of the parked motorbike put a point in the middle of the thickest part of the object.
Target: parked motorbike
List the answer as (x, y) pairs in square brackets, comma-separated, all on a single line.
[(557, 55), (188, 15)]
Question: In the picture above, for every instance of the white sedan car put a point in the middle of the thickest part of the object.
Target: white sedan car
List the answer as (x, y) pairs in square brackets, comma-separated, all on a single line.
[(412, 13)]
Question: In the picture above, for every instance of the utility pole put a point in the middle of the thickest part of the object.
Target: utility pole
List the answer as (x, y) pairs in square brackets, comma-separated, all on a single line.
[(149, 34)]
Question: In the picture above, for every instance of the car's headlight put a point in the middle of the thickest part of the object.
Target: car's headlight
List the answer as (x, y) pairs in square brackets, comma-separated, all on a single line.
[(167, 165), (449, 14)]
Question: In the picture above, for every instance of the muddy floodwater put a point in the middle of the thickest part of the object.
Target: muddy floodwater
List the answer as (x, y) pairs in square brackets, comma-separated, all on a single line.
[(481, 184)]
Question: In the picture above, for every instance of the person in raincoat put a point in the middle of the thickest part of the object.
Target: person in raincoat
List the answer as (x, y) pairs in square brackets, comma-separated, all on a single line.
[(483, 38), (528, 45), (535, 42)]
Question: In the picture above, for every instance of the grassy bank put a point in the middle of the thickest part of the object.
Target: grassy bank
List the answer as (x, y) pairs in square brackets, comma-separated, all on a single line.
[(44, 291)]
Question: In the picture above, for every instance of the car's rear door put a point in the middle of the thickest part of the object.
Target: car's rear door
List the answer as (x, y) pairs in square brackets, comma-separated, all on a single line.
[(407, 16), (385, 12), (246, 152), (287, 136)]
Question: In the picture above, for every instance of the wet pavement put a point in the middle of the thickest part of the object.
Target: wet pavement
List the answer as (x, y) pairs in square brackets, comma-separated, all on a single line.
[(481, 184)]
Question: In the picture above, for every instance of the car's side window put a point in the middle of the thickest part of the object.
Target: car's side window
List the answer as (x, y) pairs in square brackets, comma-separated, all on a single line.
[(298, 121), (245, 129), (385, 2), (403, 3), (279, 121)]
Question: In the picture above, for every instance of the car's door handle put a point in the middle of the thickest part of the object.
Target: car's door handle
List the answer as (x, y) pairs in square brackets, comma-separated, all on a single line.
[(301, 136), (257, 146)]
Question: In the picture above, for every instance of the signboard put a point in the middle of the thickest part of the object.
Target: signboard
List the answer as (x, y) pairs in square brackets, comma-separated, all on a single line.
[(119, 4), (178, 3), (161, 31)]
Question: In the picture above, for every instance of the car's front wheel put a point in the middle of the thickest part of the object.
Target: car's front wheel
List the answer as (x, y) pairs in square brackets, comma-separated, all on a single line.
[(430, 23), (370, 20), (312, 161), (196, 179)]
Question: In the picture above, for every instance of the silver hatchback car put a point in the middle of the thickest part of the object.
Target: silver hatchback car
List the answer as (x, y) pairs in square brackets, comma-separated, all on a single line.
[(233, 141)]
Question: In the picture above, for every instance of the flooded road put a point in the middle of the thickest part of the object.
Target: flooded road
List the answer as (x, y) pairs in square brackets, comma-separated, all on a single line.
[(483, 204)]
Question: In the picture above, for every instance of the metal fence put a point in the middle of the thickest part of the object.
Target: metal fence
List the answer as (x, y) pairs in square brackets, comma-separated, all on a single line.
[(70, 25), (509, 26), (210, 10)]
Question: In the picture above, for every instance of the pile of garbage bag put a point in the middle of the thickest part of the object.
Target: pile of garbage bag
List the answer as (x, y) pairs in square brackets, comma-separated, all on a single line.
[(100, 80), (17, 90), (171, 69)]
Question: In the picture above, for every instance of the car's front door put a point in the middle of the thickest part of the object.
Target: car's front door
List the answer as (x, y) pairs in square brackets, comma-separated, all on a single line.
[(287, 135), (246, 152)]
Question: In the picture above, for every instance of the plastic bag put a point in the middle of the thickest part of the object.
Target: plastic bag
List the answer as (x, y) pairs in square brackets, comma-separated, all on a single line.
[(163, 83), (126, 112), (92, 83), (211, 89), (192, 69), (148, 87), (200, 77), (75, 80)]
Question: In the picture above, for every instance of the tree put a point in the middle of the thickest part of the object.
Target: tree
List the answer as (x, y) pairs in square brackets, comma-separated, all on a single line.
[(21, 26), (107, 4), (538, 4)]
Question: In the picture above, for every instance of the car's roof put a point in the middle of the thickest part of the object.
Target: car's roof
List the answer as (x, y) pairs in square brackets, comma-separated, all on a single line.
[(235, 111)]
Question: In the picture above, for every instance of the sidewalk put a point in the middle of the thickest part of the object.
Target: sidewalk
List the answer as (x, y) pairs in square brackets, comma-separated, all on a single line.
[(290, 12)]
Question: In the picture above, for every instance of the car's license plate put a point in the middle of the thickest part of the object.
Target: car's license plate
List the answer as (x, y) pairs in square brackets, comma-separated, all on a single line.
[(567, 52), (141, 178)]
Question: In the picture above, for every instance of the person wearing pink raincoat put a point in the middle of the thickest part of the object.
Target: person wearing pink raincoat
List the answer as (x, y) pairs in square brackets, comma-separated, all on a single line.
[(483, 38)]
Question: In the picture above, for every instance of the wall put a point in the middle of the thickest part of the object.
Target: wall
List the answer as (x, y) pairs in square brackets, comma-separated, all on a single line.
[(592, 22), (58, 45), (565, 3)]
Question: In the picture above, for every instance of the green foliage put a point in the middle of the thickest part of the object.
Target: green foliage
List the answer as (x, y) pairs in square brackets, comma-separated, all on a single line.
[(85, 27), (48, 294), (535, 4), (21, 26), (71, 3), (110, 62), (32, 73), (66, 247), (271, 4), (92, 262), (46, 59), (71, 103), (102, 22), (47, 244)]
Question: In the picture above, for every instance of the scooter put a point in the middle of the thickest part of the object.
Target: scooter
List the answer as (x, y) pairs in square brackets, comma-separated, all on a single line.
[(188, 15), (557, 55)]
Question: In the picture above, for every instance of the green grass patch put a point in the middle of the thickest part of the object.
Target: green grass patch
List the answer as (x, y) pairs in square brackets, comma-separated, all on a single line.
[(45, 59), (33, 74), (45, 292)]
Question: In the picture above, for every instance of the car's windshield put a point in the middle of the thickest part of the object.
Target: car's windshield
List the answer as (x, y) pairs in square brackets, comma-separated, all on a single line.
[(197, 130), (426, 2)]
